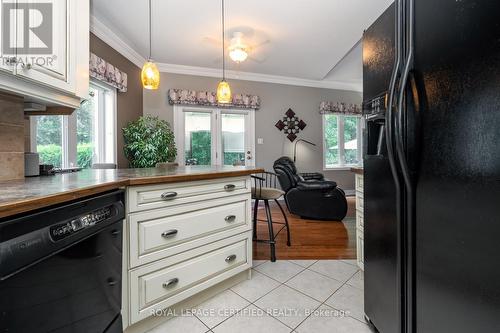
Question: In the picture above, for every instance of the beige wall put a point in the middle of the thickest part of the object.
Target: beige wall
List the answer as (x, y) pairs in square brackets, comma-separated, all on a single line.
[(275, 100), (129, 104), (12, 137)]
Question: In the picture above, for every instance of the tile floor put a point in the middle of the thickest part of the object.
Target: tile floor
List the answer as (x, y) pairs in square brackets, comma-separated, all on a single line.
[(297, 296)]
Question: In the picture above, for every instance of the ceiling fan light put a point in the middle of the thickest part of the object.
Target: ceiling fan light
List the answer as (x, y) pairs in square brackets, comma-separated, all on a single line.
[(238, 54), (224, 92), (150, 76)]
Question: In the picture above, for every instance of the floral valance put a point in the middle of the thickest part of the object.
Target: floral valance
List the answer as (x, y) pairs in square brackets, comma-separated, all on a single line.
[(207, 98), (104, 71), (340, 108)]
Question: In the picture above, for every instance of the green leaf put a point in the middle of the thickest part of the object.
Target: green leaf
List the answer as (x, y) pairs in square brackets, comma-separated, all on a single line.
[(148, 141)]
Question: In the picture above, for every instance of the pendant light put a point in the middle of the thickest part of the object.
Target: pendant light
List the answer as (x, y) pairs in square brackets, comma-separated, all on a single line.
[(223, 89), (150, 74)]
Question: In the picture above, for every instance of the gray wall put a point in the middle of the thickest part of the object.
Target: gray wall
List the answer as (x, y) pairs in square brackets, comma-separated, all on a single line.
[(275, 100), (128, 104)]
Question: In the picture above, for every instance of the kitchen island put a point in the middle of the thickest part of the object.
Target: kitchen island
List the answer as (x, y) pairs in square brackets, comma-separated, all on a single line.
[(31, 193), (187, 233)]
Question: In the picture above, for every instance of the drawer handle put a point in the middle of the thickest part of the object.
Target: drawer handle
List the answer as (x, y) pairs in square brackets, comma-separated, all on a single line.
[(230, 218), (168, 195), (229, 187), (170, 283), (230, 258), (169, 233)]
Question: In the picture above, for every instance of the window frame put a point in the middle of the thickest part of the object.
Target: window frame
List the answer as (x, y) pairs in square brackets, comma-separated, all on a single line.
[(103, 90), (341, 140), (69, 140), (216, 131)]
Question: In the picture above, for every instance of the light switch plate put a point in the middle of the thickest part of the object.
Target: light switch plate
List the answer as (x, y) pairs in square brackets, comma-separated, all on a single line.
[(260, 141)]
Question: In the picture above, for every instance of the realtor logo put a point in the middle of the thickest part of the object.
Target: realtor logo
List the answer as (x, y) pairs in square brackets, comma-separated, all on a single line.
[(27, 28)]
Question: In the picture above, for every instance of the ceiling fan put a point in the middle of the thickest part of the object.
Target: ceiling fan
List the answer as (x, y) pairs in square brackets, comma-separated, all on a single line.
[(239, 49)]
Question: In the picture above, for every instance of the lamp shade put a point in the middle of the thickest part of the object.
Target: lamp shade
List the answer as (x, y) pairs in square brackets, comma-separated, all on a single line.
[(224, 92), (150, 76)]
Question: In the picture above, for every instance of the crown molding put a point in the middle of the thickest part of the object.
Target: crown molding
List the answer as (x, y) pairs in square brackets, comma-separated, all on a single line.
[(109, 37), (258, 77)]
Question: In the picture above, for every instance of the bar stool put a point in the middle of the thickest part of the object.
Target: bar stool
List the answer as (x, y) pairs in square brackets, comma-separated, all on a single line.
[(265, 189)]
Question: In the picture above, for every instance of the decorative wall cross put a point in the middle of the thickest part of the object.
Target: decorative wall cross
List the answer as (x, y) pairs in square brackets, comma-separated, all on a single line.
[(291, 125)]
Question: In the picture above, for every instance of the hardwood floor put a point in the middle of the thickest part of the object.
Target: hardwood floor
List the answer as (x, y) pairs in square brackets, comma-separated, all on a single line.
[(310, 239)]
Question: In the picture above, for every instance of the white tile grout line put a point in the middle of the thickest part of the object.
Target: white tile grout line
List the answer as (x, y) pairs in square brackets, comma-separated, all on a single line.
[(208, 328), (303, 269), (283, 283), (323, 303), (262, 263), (253, 303), (314, 261)]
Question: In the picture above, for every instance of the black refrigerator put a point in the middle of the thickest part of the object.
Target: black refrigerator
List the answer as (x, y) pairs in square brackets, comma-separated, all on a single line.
[(431, 91)]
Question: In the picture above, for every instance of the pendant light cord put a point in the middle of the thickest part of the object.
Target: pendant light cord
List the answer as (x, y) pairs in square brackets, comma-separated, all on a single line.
[(223, 46), (149, 29)]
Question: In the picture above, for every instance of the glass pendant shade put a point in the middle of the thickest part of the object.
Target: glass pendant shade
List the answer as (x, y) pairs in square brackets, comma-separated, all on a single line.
[(150, 76), (224, 92)]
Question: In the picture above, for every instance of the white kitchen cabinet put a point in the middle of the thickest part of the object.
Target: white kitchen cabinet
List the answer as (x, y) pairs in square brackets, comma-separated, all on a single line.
[(181, 240), (5, 57), (359, 221), (51, 70)]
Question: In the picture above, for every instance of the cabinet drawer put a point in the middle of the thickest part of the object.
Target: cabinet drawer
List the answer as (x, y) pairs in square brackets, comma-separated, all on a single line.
[(164, 232), (168, 282), (359, 183), (360, 251), (359, 220), (359, 201), (166, 195)]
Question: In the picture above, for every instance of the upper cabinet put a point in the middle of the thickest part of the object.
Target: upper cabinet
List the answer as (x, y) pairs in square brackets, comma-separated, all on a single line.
[(45, 50)]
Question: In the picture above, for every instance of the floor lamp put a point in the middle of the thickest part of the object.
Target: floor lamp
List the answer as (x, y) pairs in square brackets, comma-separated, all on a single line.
[(295, 147)]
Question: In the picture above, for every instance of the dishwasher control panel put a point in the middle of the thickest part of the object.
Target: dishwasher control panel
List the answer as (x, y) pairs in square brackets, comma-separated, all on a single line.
[(63, 230)]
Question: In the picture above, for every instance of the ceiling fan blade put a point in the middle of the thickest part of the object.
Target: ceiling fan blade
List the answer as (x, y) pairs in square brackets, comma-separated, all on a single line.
[(257, 60), (212, 41), (253, 47)]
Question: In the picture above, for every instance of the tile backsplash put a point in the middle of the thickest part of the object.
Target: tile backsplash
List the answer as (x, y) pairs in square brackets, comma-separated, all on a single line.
[(12, 137)]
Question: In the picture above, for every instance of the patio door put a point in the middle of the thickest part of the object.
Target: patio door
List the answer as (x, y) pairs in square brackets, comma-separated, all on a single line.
[(206, 136)]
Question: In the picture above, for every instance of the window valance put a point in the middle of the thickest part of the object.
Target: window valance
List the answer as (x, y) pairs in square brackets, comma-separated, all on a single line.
[(106, 72), (192, 97), (340, 108)]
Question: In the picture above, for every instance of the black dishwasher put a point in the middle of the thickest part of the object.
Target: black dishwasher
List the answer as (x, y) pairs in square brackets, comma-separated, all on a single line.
[(60, 268)]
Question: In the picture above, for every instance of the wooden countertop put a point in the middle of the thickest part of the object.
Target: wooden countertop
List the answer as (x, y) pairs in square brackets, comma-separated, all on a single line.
[(28, 194), (357, 170)]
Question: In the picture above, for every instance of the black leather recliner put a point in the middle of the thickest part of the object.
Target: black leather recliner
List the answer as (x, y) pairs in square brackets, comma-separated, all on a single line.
[(309, 195)]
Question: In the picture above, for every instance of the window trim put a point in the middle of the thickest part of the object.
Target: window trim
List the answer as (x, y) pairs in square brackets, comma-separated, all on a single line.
[(340, 140), (102, 132)]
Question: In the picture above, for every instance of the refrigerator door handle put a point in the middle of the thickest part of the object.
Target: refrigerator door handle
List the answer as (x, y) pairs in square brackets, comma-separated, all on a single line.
[(392, 155), (407, 229), (401, 154), (390, 104)]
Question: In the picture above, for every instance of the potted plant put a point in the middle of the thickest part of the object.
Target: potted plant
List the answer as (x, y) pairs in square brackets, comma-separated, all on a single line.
[(148, 141)]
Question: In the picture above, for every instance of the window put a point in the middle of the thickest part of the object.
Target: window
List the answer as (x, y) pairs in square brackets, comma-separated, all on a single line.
[(207, 136), (82, 139), (341, 141), (49, 140), (198, 138), (233, 138)]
